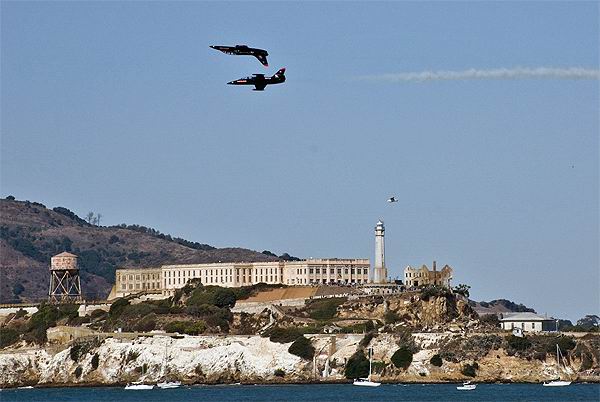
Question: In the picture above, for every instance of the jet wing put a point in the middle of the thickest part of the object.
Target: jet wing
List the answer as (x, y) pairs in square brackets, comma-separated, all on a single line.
[(263, 59), (260, 86), (259, 76)]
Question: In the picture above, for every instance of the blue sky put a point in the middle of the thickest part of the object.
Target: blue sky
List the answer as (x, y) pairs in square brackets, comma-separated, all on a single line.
[(122, 108)]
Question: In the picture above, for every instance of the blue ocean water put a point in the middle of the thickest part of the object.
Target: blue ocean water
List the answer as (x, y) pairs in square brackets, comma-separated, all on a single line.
[(316, 392)]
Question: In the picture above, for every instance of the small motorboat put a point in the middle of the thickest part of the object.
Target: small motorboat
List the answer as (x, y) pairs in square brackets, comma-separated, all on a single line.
[(136, 386), (557, 383), (467, 386), (169, 384)]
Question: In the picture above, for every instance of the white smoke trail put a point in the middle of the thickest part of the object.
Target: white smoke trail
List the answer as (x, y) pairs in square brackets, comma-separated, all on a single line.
[(572, 73)]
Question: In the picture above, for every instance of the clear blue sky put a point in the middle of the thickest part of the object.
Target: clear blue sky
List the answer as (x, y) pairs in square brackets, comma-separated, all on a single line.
[(122, 108)]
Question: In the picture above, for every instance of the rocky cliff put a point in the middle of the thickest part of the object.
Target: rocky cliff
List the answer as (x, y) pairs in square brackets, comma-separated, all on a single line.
[(254, 359)]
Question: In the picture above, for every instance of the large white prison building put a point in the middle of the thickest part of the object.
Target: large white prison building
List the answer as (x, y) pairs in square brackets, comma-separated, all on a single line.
[(168, 278)]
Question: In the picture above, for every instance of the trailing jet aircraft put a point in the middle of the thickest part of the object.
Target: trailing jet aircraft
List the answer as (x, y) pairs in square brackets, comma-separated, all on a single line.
[(240, 50), (260, 81)]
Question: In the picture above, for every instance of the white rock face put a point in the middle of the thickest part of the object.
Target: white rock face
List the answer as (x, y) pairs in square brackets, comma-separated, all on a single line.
[(191, 358)]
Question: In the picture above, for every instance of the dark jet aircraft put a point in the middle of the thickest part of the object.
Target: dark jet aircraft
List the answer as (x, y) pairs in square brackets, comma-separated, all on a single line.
[(260, 81), (240, 50)]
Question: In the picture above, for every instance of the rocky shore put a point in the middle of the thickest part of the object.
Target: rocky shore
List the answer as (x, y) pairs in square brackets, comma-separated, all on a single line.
[(255, 359)]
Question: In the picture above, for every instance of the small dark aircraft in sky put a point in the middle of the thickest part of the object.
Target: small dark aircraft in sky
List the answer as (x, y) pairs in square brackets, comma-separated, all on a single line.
[(260, 81), (242, 50), (392, 199)]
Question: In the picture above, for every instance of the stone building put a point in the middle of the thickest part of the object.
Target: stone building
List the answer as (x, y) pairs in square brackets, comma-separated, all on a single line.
[(132, 280), (168, 278), (414, 277), (527, 322)]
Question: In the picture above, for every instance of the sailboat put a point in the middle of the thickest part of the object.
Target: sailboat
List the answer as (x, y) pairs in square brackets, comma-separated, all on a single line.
[(366, 382), (138, 385), (167, 384), (557, 383)]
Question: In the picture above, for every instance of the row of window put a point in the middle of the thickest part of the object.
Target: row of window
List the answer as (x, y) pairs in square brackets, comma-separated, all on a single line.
[(304, 281), (140, 286), (137, 277), (332, 271)]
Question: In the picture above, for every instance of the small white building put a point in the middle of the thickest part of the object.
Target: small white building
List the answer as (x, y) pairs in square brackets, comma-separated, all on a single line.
[(527, 322)]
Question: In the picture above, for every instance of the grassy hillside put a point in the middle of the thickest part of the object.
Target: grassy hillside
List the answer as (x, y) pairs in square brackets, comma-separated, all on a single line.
[(30, 234)]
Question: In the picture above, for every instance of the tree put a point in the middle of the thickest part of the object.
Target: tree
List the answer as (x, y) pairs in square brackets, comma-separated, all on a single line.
[(357, 366), (90, 217), (462, 289), (436, 360), (302, 348), (402, 358)]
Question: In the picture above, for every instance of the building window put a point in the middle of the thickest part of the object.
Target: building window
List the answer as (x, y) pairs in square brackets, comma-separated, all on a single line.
[(311, 271)]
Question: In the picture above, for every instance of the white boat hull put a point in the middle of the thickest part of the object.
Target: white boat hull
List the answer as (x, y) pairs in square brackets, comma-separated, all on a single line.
[(557, 383), (168, 385), (365, 383), (466, 387), (137, 387)]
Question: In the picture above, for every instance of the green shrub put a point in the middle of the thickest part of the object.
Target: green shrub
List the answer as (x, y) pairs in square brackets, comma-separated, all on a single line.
[(402, 358), (490, 319), (469, 370), (357, 366), (279, 373), (303, 348), (20, 314), (195, 328), (391, 317), (78, 371), (284, 335), (75, 351), (40, 321), (137, 310), (8, 336), (186, 327), (378, 366), (146, 324), (565, 343), (364, 342), (71, 311), (435, 291), (96, 314), (518, 343), (132, 356), (95, 361), (212, 295), (436, 360), (117, 307), (324, 309)]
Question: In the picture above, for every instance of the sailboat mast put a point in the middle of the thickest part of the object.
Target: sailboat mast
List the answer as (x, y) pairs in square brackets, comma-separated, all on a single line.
[(370, 361)]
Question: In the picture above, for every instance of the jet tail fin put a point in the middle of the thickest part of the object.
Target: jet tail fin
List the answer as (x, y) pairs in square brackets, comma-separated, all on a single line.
[(281, 72)]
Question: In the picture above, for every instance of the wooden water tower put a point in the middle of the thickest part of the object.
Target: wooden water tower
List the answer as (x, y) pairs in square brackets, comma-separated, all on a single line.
[(65, 285)]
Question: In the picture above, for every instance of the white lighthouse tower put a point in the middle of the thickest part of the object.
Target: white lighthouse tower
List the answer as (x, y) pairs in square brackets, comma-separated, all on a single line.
[(379, 270)]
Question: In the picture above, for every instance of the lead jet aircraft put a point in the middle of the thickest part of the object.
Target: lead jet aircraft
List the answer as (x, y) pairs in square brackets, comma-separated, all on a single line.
[(240, 50), (260, 81)]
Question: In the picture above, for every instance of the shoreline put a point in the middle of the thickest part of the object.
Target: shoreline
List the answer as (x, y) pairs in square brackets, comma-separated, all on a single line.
[(291, 383)]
